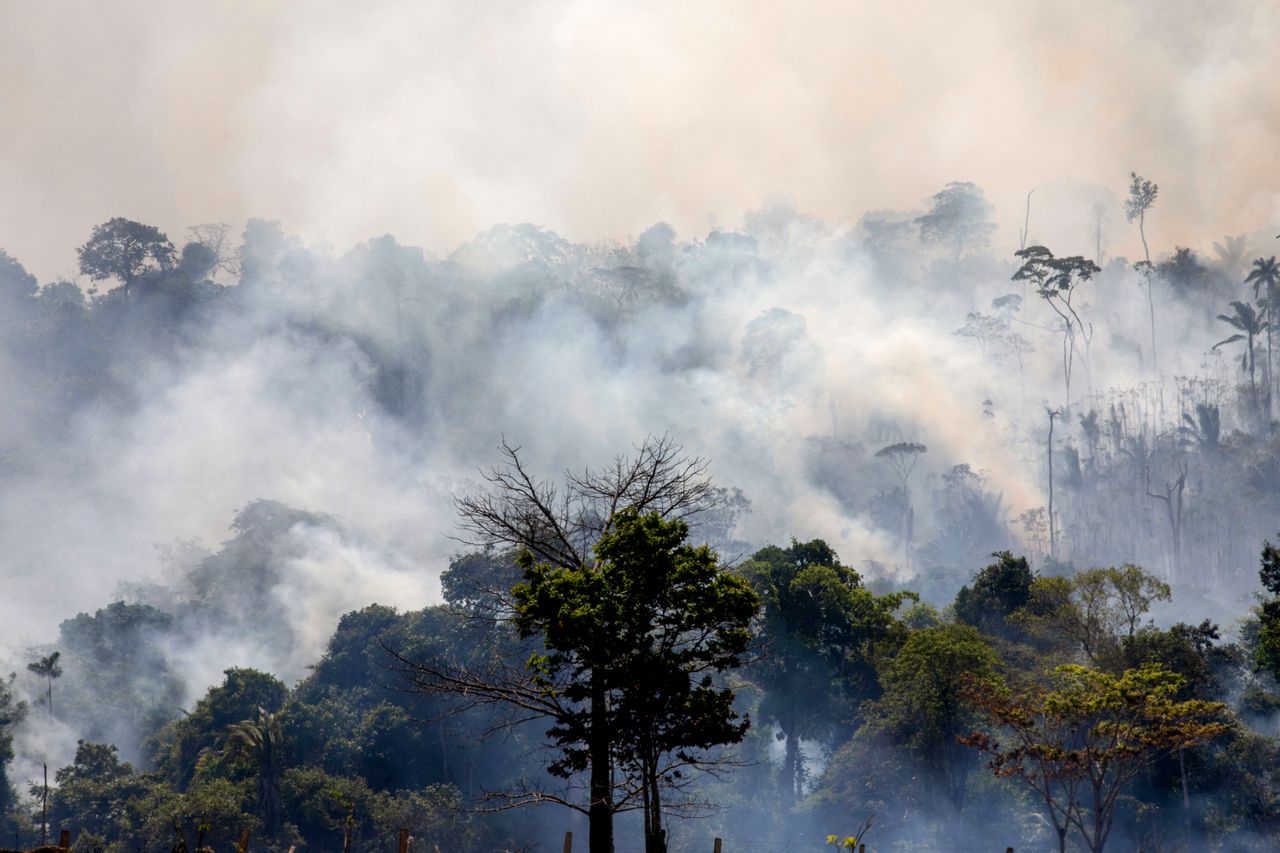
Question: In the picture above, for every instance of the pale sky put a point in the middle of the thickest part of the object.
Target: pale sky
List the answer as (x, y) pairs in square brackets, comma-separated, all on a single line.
[(433, 120)]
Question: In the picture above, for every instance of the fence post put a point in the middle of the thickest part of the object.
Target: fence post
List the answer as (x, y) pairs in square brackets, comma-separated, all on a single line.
[(717, 846), (404, 840), (568, 842), (64, 838)]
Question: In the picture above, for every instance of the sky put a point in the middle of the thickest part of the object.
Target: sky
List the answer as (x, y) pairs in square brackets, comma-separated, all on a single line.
[(434, 120)]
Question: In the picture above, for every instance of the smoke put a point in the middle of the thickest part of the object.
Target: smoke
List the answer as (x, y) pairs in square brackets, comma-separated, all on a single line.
[(433, 120)]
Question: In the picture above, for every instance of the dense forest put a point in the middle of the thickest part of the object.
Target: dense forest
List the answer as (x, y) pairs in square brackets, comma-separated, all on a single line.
[(796, 534)]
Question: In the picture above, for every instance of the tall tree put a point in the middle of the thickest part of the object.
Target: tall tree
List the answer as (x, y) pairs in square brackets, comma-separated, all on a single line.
[(1142, 197), (1265, 278), (1250, 324), (123, 249), (573, 602), (902, 458), (48, 668), (1056, 281)]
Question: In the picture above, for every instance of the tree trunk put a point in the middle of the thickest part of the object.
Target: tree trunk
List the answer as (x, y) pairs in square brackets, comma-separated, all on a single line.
[(600, 811), (1151, 299)]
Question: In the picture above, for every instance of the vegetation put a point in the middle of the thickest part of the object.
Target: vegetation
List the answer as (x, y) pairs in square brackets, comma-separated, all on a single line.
[(1073, 609)]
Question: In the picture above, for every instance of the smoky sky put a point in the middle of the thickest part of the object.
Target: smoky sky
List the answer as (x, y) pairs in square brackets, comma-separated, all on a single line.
[(433, 120)]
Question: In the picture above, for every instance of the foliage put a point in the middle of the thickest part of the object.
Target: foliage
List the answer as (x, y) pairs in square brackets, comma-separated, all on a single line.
[(123, 249), (1080, 743), (998, 591)]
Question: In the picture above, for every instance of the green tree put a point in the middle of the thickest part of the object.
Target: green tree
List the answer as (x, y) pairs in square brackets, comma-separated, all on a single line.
[(1267, 650), (588, 599), (1094, 611), (819, 633), (921, 709), (998, 591), (259, 745), (123, 249), (12, 712), (1080, 743), (176, 749)]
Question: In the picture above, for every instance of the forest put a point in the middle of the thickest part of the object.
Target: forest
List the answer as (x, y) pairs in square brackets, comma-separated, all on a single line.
[(798, 534)]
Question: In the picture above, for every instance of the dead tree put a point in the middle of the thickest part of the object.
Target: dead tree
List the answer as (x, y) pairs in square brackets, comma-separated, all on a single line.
[(1172, 499)]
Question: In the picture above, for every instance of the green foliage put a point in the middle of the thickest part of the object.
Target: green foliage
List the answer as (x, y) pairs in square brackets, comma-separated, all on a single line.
[(177, 747), (921, 710), (1080, 743), (820, 634), (998, 591), (654, 613)]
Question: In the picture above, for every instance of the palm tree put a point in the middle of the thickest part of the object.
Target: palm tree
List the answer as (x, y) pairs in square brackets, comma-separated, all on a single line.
[(1204, 430), (1265, 276), (258, 743), (48, 668), (1247, 320)]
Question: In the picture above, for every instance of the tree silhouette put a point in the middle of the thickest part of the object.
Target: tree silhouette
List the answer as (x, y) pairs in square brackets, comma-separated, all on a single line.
[(123, 249), (1142, 196), (1265, 278), (1056, 280), (961, 216), (1250, 324), (48, 668), (902, 458)]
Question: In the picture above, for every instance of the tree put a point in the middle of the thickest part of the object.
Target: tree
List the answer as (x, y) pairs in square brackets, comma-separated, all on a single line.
[(48, 668), (123, 249), (1142, 196), (1265, 278), (576, 569), (960, 215), (1096, 610), (998, 591), (818, 635), (1250, 323), (259, 744), (1056, 280), (1267, 653), (12, 712), (902, 458), (1081, 742), (921, 708)]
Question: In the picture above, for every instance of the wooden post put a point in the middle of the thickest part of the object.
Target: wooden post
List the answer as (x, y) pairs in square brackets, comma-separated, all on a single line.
[(404, 840), (64, 838), (717, 846), (568, 842), (243, 846)]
